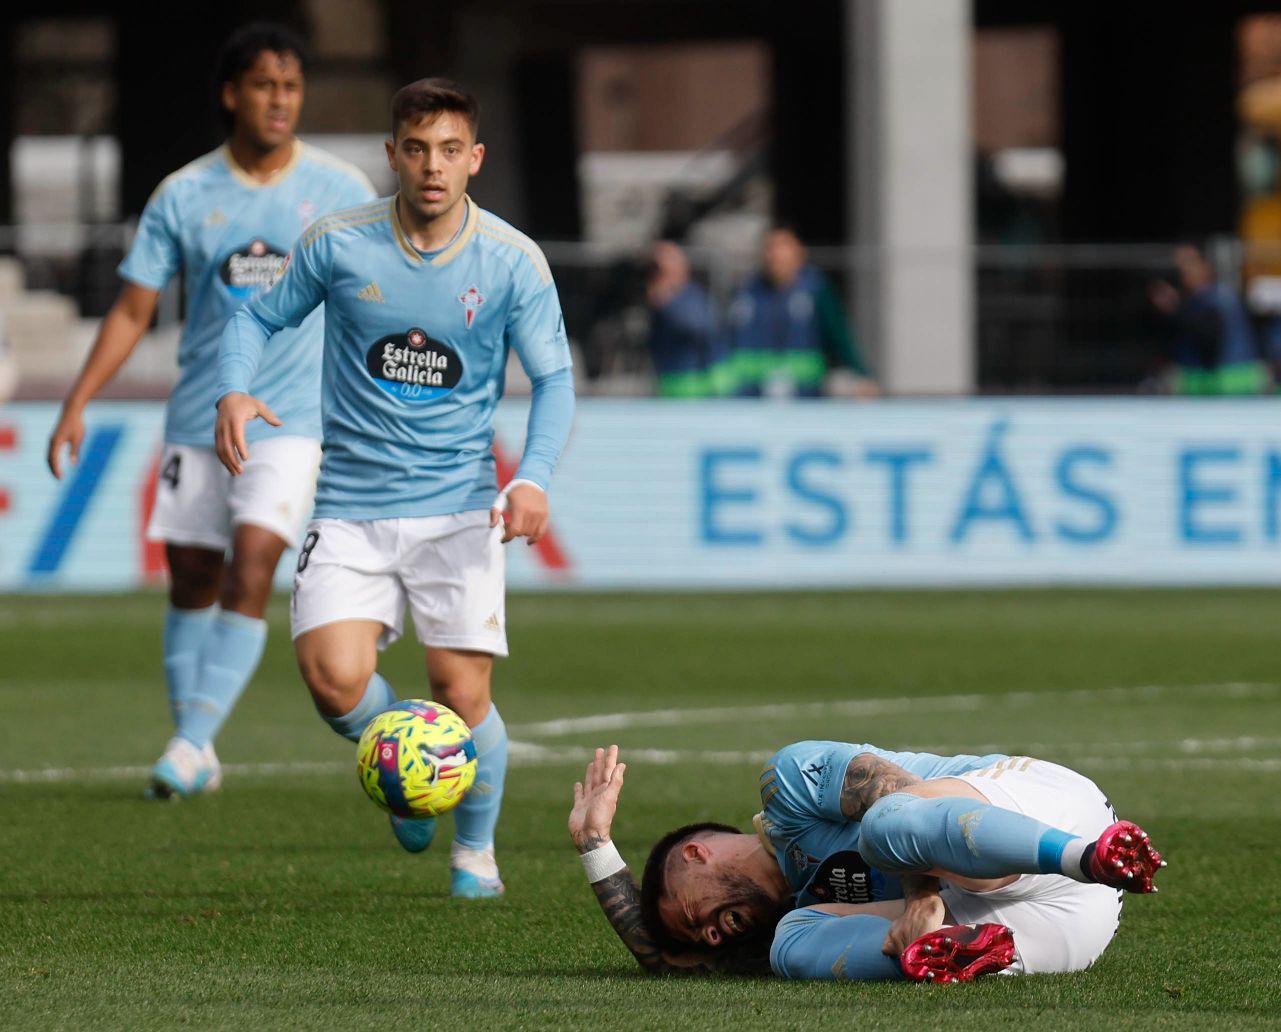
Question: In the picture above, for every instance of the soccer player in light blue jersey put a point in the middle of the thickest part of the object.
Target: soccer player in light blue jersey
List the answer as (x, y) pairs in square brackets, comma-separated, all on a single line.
[(424, 293), (224, 221), (868, 864)]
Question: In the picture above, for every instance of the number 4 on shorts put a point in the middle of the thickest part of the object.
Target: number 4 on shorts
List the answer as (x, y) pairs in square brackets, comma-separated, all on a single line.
[(170, 473)]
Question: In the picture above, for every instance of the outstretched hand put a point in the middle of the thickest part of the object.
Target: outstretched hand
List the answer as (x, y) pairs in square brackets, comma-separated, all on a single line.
[(234, 411), (596, 800)]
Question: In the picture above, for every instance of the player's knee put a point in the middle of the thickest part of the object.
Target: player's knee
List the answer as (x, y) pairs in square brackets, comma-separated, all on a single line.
[(337, 683), (887, 829), (246, 586), (461, 681), (195, 575), (469, 700)]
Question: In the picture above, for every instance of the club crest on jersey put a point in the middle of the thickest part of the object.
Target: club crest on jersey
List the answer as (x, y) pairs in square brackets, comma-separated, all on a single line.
[(471, 299), (306, 213), (251, 269), (413, 367)]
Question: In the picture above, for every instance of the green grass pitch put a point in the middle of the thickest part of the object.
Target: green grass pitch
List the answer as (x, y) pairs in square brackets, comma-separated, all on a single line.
[(283, 902)]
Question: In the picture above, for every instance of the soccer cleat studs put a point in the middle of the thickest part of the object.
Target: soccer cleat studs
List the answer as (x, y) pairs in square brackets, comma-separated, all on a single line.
[(959, 953), (1124, 858)]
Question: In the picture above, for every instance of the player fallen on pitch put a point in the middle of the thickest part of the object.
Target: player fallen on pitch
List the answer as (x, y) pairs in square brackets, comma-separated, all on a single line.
[(223, 221), (867, 864), (424, 295)]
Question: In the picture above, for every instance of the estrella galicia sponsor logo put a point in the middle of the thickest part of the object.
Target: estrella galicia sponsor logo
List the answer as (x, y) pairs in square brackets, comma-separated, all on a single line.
[(842, 878), (414, 367), (251, 269)]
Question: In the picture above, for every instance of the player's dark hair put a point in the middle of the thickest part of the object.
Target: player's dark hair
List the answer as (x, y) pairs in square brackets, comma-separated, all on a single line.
[(654, 880), (242, 48), (430, 97)]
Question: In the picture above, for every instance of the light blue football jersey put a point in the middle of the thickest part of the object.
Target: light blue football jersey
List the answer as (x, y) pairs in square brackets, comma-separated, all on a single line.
[(816, 845), (229, 234), (416, 352)]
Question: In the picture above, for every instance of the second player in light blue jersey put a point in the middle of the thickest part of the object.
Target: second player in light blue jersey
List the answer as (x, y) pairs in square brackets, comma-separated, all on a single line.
[(224, 222), (870, 864), (425, 294)]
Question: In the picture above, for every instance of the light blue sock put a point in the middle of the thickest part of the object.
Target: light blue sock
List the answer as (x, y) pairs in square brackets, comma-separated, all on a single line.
[(185, 630), (477, 815), (378, 696), (902, 832), (815, 944), (228, 659)]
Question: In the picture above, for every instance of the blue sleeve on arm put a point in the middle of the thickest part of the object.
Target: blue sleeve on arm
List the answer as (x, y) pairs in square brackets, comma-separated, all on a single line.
[(240, 351), (809, 776), (551, 414), (155, 255), (815, 944)]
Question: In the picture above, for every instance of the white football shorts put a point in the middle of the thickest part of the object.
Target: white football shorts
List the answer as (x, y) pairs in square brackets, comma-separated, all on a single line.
[(450, 571), (1059, 924), (199, 503)]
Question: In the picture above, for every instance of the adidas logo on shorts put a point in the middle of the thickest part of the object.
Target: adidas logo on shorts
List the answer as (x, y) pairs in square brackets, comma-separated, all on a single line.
[(492, 623)]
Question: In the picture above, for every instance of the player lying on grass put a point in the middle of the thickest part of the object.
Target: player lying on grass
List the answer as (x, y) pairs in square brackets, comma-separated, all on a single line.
[(869, 864)]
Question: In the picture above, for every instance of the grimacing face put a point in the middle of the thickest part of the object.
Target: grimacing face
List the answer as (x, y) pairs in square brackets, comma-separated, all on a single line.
[(266, 100), (433, 157), (710, 905)]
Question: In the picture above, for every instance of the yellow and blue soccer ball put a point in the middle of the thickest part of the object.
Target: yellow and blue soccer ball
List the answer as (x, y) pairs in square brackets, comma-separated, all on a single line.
[(416, 759)]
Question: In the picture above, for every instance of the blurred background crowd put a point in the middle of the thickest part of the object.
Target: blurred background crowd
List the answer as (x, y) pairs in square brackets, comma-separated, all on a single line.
[(725, 190)]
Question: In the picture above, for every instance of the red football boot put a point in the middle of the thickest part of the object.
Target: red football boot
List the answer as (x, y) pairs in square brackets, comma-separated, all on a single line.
[(958, 953), (1123, 858)]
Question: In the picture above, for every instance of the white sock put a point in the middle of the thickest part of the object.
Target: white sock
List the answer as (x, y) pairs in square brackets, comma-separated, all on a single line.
[(479, 862), (1070, 862)]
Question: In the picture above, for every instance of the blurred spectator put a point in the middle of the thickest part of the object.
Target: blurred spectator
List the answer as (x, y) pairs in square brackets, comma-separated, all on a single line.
[(685, 339), (788, 329), (1207, 331)]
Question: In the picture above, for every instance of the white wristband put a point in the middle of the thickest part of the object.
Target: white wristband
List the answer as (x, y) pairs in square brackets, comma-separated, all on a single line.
[(601, 862), (500, 503)]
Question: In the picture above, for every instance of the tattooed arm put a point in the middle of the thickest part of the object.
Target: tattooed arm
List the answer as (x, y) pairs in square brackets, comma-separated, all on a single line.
[(595, 802), (867, 778)]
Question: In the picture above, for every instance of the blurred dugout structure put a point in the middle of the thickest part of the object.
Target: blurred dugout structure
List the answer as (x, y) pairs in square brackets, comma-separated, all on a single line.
[(1016, 209), (1050, 318)]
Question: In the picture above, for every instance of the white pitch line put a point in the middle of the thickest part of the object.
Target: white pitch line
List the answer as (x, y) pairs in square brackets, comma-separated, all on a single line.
[(50, 775), (1183, 765), (1186, 746), (878, 707), (528, 754)]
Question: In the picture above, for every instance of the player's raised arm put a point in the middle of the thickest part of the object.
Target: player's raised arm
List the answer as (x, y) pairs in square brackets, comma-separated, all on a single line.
[(590, 822), (300, 288), (123, 327)]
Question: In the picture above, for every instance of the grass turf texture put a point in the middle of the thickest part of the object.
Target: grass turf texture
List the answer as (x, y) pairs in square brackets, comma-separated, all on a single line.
[(283, 902)]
